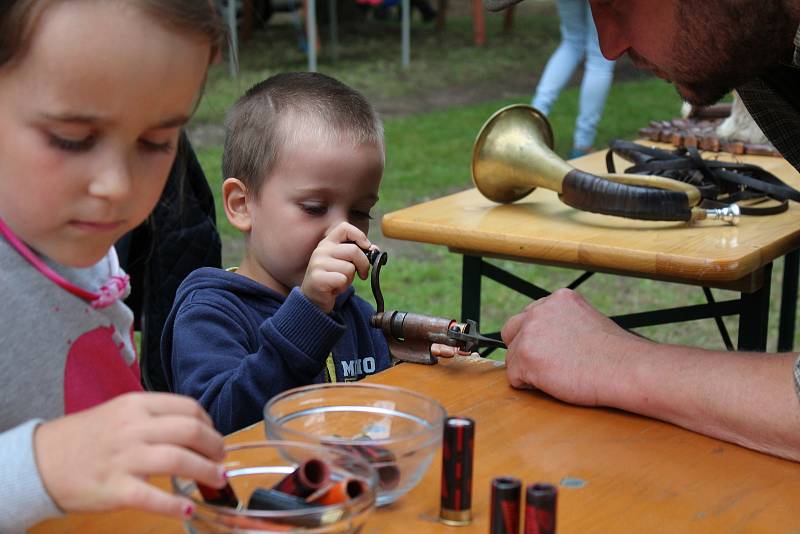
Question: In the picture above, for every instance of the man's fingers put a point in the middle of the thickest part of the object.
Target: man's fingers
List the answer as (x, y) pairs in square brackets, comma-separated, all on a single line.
[(515, 380), (515, 323), (512, 327)]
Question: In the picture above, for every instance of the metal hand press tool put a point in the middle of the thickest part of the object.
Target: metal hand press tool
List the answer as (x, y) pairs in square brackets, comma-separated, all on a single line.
[(410, 335)]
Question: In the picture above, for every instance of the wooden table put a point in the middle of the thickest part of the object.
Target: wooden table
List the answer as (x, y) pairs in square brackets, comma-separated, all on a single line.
[(541, 229), (637, 475)]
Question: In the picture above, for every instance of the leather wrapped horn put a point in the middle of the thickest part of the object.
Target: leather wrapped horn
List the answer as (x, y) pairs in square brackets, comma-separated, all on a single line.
[(513, 155)]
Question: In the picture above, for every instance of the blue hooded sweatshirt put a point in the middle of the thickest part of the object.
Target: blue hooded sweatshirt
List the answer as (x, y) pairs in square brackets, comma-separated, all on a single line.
[(232, 343)]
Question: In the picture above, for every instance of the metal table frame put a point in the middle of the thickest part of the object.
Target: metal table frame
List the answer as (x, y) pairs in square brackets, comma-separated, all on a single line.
[(752, 308)]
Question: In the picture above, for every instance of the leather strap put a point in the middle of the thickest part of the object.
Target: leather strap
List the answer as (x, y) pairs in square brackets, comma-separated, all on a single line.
[(721, 183)]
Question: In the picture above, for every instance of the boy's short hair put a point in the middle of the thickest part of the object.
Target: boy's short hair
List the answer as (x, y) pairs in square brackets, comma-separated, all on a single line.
[(276, 111)]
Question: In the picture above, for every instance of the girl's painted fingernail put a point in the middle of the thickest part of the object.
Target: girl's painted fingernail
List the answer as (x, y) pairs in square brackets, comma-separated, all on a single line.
[(188, 510), (223, 474)]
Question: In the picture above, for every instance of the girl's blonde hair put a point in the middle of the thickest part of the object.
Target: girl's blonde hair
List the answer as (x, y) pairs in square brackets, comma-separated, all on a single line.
[(193, 17)]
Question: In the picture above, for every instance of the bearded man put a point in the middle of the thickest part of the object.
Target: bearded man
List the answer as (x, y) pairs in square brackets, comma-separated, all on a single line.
[(563, 346)]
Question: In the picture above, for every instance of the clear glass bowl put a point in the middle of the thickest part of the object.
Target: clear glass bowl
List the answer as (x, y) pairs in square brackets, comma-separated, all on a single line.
[(262, 465), (397, 430)]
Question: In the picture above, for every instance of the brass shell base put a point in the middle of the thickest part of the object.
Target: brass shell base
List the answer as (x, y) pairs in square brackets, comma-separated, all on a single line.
[(455, 518)]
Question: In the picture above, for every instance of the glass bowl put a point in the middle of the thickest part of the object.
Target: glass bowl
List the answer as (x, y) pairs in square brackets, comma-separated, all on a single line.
[(397, 430), (264, 464)]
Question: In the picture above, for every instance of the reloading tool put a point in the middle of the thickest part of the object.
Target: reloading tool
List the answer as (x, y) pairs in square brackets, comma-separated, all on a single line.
[(410, 335)]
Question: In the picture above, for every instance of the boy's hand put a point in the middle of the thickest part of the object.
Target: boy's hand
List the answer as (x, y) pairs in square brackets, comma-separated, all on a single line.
[(334, 264), (441, 350), (98, 459)]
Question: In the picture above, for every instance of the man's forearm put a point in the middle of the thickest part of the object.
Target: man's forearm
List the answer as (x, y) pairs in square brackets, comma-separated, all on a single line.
[(744, 398)]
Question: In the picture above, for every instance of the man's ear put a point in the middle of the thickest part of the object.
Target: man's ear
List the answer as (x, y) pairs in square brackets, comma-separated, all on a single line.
[(237, 209)]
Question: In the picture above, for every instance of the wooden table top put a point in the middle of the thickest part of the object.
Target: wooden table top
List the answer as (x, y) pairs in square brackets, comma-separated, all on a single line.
[(638, 474), (540, 228)]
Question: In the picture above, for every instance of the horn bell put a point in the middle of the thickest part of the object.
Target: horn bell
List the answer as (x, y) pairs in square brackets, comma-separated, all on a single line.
[(513, 155)]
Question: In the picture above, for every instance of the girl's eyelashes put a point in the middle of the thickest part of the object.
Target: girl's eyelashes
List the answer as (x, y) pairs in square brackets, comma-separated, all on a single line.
[(82, 145), (166, 147), (71, 145)]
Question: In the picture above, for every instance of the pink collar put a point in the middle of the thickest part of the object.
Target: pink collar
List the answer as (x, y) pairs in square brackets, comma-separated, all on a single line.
[(110, 292)]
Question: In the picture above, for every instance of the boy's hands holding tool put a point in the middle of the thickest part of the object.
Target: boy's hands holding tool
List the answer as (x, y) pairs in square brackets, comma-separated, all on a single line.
[(334, 264)]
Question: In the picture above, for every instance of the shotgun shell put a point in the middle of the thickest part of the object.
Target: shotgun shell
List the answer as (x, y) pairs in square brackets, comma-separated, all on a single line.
[(219, 497), (309, 476), (458, 446), (382, 460), (272, 499), (344, 490), (540, 509), (506, 492)]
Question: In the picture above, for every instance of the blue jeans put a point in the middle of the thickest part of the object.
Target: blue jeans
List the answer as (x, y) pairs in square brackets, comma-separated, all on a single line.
[(578, 41)]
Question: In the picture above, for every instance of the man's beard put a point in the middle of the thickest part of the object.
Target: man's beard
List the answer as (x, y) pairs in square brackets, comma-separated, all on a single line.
[(749, 37)]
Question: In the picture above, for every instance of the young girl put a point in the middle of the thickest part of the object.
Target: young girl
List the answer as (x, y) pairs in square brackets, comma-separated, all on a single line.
[(93, 94)]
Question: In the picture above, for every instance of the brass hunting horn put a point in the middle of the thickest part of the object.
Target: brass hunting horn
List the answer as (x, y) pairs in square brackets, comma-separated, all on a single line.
[(513, 155)]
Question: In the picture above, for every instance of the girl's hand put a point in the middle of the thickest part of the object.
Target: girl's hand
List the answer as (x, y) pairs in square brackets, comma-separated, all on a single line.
[(99, 459), (334, 264)]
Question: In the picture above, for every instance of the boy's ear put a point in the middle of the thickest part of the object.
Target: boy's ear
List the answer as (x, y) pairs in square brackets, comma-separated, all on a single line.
[(234, 199)]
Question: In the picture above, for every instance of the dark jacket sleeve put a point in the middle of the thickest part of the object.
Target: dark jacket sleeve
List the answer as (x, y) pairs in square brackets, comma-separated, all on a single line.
[(233, 368)]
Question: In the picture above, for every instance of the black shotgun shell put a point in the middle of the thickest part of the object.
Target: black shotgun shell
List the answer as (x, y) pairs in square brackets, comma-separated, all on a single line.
[(309, 476), (506, 492), (458, 448), (223, 496), (540, 508)]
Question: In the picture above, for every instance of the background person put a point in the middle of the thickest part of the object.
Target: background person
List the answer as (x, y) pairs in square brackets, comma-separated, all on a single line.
[(579, 43)]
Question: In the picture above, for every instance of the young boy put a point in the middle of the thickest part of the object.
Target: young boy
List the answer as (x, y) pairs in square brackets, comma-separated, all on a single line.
[(303, 159)]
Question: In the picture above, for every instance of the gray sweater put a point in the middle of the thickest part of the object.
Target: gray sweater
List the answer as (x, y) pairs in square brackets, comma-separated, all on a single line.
[(58, 355)]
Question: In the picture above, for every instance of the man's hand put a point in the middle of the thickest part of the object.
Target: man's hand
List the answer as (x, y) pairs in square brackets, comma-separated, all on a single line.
[(98, 459), (334, 264), (564, 347)]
